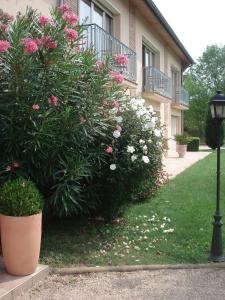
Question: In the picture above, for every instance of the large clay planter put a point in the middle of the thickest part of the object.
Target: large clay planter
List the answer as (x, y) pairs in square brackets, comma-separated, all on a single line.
[(21, 240), (181, 149)]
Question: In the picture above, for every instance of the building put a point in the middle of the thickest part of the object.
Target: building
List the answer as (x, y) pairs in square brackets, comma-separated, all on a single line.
[(157, 58)]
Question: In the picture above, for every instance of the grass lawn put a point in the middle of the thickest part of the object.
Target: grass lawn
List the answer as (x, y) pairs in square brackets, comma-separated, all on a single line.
[(173, 227)]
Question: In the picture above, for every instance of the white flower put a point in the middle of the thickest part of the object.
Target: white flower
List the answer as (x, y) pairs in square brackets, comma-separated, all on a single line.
[(157, 132), (134, 107), (145, 159), (140, 101), (149, 125), (149, 141), (116, 134), (141, 112), (154, 119), (168, 230), (130, 149), (145, 147), (141, 141), (133, 157), (119, 119), (112, 167), (150, 108)]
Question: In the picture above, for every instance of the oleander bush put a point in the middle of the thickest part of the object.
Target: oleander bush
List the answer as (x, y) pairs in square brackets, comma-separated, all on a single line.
[(65, 122)]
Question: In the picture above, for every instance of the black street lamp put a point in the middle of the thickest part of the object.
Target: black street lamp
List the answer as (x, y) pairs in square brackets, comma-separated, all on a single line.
[(217, 108)]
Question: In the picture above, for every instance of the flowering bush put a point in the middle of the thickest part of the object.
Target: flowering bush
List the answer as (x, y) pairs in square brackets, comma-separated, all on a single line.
[(64, 121), (133, 155)]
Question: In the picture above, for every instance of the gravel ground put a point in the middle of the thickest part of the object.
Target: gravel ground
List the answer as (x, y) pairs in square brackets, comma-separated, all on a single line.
[(147, 285)]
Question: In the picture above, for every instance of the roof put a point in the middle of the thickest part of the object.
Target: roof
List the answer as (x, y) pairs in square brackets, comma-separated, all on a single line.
[(169, 30)]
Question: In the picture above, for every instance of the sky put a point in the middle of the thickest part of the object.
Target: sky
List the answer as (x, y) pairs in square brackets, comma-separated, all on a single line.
[(197, 23)]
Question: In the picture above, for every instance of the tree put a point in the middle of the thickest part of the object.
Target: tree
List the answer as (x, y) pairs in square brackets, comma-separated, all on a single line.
[(202, 80), (194, 118)]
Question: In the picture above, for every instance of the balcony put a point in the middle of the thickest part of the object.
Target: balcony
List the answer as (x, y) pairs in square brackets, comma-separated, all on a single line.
[(105, 44), (157, 82)]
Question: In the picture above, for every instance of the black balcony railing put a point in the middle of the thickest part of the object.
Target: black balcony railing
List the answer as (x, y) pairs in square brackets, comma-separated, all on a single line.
[(105, 44), (158, 82)]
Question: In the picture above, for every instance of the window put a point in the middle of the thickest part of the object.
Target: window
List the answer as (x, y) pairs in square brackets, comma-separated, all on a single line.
[(85, 11), (175, 83), (91, 13), (148, 57), (148, 60)]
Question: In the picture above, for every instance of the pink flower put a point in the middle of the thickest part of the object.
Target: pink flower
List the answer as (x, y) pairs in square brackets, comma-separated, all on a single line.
[(77, 48), (52, 44), (82, 119), (70, 17), (43, 20), (115, 104), (117, 76), (109, 150), (99, 65), (53, 100), (4, 27), (46, 41), (119, 128), (8, 168), (121, 59), (30, 45), (64, 8), (71, 34), (4, 45), (35, 107), (8, 17), (15, 164)]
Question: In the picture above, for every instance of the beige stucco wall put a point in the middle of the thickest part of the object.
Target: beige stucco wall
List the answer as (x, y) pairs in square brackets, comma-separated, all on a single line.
[(13, 6)]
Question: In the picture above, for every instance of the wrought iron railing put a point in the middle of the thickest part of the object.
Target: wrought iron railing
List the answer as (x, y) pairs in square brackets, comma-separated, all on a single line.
[(183, 96), (105, 44), (156, 81)]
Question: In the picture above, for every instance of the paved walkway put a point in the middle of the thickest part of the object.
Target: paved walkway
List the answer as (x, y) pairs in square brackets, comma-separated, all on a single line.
[(207, 284), (175, 165)]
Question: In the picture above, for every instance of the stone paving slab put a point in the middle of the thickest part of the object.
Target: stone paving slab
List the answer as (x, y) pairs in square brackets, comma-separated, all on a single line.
[(175, 165), (13, 286)]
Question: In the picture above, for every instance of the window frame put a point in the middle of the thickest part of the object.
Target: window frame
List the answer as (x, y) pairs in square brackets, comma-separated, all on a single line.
[(105, 12)]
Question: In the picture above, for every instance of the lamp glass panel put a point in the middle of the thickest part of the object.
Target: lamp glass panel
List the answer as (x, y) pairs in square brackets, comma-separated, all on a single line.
[(219, 110), (212, 111)]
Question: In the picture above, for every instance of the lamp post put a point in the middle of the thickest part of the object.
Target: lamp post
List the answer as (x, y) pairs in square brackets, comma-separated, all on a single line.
[(217, 108)]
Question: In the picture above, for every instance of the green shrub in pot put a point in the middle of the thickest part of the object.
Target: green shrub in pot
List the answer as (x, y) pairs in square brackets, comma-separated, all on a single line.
[(20, 197), (182, 139), (21, 207)]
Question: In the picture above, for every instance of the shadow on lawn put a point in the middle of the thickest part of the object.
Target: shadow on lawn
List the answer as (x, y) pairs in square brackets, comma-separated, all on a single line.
[(76, 241)]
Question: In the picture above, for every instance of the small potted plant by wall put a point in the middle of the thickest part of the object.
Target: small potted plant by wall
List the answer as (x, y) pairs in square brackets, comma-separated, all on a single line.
[(21, 218), (182, 141)]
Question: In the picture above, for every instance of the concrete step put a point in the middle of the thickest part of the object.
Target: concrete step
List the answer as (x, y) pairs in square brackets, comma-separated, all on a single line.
[(13, 286)]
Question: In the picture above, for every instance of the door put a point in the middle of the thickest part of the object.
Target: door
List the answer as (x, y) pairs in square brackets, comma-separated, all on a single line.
[(173, 132)]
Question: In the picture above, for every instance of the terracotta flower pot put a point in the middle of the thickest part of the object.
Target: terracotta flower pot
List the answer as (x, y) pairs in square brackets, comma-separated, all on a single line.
[(21, 240), (181, 150)]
